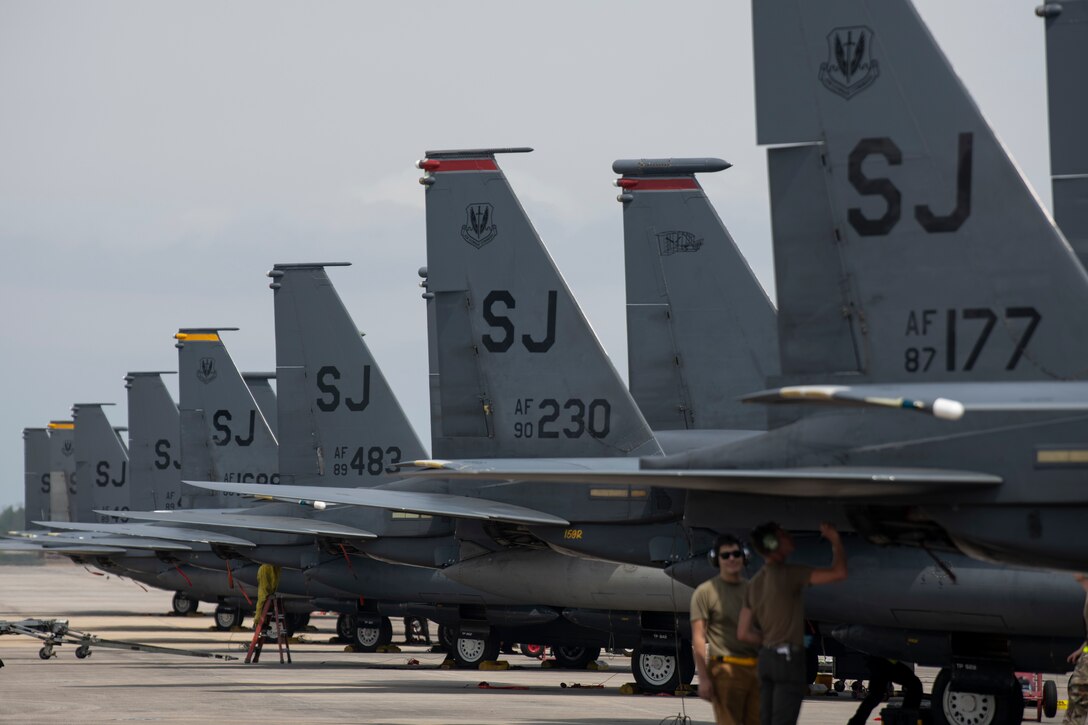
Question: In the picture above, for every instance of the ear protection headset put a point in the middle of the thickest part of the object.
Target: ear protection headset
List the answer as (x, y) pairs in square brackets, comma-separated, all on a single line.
[(725, 540)]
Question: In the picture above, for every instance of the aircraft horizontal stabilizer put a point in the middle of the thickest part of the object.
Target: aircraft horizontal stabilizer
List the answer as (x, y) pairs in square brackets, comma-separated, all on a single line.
[(815, 482), (942, 400), (235, 519), (170, 533), (73, 549), (63, 544), (416, 502)]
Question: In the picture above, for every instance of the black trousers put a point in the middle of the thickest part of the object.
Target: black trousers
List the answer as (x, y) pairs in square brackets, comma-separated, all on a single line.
[(781, 685), (882, 672)]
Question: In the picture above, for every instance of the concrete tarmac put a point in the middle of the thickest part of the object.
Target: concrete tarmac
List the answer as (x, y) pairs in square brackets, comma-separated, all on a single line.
[(325, 684)]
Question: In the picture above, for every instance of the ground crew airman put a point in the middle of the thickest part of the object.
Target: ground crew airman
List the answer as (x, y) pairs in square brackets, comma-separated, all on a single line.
[(1077, 712), (726, 665), (773, 617)]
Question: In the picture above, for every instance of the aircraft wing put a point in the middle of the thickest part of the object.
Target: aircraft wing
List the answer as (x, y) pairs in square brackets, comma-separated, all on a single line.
[(74, 549), (417, 502), (942, 400), (279, 524), (170, 533), (812, 482), (102, 543)]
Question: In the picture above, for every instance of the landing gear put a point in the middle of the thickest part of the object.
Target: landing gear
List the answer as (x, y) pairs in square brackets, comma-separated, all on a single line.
[(83, 652), (469, 653), (368, 638), (447, 638), (295, 622), (575, 658), (46, 652), (345, 623), (532, 651), (1050, 698), (1000, 704), (183, 604), (227, 618), (658, 669)]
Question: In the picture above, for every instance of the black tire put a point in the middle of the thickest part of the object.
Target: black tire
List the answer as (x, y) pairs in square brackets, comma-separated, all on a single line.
[(82, 653), (45, 653), (656, 669), (345, 623), (295, 622), (227, 618), (386, 634), (1050, 698), (532, 651), (812, 664), (184, 604), (952, 707), (469, 653), (575, 658), (447, 638)]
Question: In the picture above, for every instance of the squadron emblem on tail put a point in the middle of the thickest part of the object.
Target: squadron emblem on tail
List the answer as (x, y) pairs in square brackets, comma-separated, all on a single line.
[(850, 67), (478, 228)]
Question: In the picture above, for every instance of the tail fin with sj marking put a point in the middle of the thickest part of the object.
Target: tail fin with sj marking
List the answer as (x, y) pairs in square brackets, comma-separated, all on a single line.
[(65, 503), (342, 425), (950, 269), (101, 462), (36, 482), (521, 372), (700, 329), (154, 442), (224, 434)]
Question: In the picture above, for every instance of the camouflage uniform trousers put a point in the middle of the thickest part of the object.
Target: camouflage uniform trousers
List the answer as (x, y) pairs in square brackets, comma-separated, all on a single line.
[(1077, 714)]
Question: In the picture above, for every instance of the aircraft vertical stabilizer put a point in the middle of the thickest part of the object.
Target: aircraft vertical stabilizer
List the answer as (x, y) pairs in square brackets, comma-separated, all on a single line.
[(341, 423), (522, 373), (950, 268), (1067, 100), (65, 503), (224, 434), (154, 442), (101, 461), (700, 328), (260, 387), (36, 482)]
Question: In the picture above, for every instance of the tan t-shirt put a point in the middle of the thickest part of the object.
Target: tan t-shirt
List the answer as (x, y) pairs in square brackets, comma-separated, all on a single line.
[(718, 602), (774, 596)]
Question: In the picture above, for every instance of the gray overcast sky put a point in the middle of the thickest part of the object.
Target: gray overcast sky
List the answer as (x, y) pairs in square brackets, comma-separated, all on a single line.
[(157, 158)]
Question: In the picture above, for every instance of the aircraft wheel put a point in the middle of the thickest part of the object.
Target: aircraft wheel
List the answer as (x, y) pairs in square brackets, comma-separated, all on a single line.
[(1050, 698), (183, 604), (366, 638), (575, 658), (952, 707), (345, 623), (227, 618), (295, 622), (83, 653), (386, 634), (532, 651), (657, 670), (447, 638), (45, 653), (469, 653)]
